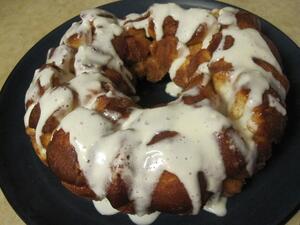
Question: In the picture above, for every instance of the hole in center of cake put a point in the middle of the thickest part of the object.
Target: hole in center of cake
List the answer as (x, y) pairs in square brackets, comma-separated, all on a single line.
[(153, 94)]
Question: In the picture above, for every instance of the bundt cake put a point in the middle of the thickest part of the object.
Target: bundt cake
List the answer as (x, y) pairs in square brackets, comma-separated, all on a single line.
[(85, 122)]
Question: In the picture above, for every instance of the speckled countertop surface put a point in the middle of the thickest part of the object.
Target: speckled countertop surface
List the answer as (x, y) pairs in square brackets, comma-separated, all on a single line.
[(23, 23)]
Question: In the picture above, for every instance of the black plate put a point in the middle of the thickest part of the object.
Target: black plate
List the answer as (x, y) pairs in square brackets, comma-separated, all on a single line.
[(37, 196)]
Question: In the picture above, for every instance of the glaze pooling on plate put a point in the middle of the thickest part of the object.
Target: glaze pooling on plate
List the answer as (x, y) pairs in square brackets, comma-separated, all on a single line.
[(124, 146), (104, 208)]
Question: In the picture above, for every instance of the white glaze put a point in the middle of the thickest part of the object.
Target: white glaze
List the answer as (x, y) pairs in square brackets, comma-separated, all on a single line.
[(62, 57), (214, 28), (253, 45), (86, 128), (216, 205), (183, 52), (42, 77), (173, 89), (189, 20), (227, 16), (145, 219), (275, 102), (27, 115), (57, 100), (249, 152), (204, 71), (247, 75), (104, 207), (191, 92), (97, 51), (88, 88), (100, 149)]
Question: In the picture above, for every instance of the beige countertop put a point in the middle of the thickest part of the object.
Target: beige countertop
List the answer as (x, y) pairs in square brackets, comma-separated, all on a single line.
[(23, 23)]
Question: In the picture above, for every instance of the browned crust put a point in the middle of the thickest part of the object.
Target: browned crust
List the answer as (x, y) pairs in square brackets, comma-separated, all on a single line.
[(170, 26), (120, 105), (62, 159), (161, 136), (277, 75), (271, 124), (34, 116), (170, 195), (187, 72), (117, 194), (235, 165), (163, 53), (214, 43), (234, 162), (247, 20), (118, 81), (132, 46), (76, 40), (81, 191)]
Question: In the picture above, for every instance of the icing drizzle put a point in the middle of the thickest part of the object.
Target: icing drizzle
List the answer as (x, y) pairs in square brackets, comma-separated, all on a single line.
[(98, 148)]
